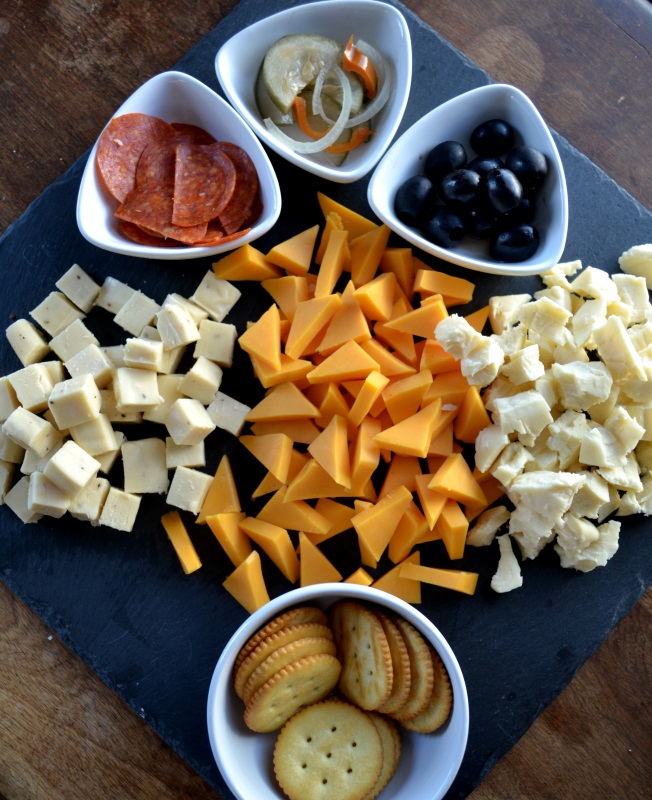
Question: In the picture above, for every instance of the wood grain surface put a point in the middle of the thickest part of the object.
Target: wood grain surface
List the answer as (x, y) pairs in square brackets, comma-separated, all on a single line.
[(65, 65)]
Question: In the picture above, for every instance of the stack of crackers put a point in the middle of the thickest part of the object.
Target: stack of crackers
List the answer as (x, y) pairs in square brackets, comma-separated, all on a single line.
[(338, 687)]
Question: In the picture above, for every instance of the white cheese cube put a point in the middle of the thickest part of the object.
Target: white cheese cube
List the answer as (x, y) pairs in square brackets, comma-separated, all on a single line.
[(33, 386), (216, 296), (111, 411), (17, 500), (6, 476), (116, 354), (197, 313), (600, 448), (45, 498), (508, 575), (524, 366), (135, 389), (457, 336), (504, 310), (481, 365), (511, 340), (113, 295), (580, 384), (582, 546), (74, 401), (615, 348), (591, 497), (216, 342), (188, 489), (525, 414), (531, 530), (590, 315), (145, 470), (202, 380), (55, 313), (87, 505), (95, 436), (510, 463), (486, 526), (559, 274), (144, 354), (71, 468), (558, 294), (170, 358), (546, 318), (625, 476), (9, 450), (138, 311), (643, 453), (596, 283), (72, 340), (33, 462), (625, 428), (79, 287), (188, 422), (489, 444), (549, 494), (8, 399), (119, 510), (184, 455), (642, 413), (168, 387), (28, 430), (176, 327), (638, 261), (566, 435), (27, 342), (641, 335), (227, 413), (91, 361)]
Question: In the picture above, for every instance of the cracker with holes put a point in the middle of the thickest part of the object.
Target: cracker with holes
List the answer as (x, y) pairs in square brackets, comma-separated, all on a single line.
[(362, 647), (391, 742), (439, 707), (421, 670), (328, 751), (298, 684), (402, 676), (269, 644)]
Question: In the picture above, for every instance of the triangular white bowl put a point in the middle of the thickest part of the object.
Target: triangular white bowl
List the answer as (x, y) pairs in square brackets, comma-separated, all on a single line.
[(238, 61), (455, 120), (176, 97)]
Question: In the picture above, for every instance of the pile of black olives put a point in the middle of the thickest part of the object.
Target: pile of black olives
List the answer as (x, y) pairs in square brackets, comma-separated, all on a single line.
[(489, 196)]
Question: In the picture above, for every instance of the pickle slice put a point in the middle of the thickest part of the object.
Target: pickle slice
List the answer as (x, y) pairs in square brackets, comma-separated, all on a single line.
[(293, 62)]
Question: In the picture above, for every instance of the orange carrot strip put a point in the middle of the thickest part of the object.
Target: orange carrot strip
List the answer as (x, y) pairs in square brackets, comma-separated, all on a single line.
[(358, 137), (358, 62)]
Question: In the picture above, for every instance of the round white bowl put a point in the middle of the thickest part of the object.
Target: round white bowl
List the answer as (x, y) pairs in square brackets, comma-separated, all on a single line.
[(176, 97), (238, 61), (455, 120), (429, 762)]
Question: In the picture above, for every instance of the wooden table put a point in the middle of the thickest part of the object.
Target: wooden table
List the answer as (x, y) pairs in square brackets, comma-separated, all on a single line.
[(64, 68)]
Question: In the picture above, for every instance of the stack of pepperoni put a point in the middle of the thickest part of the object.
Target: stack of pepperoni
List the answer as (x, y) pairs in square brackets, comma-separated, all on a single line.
[(176, 184)]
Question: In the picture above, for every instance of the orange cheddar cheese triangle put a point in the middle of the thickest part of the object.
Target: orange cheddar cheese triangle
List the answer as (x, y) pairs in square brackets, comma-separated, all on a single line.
[(331, 450), (247, 585), (455, 479), (245, 264), (287, 292), (369, 392), (348, 323), (421, 321), (336, 260), (398, 260), (226, 527), (313, 481), (273, 450), (263, 338), (410, 528), (413, 435), (472, 416), (351, 221), (294, 255), (314, 566), (455, 579), (376, 298), (310, 318), (295, 515), (284, 401), (403, 397), (366, 252), (183, 547), (349, 362), (432, 502), (453, 527), (376, 525), (405, 588), (360, 576), (222, 496), (454, 291), (276, 542), (389, 364)]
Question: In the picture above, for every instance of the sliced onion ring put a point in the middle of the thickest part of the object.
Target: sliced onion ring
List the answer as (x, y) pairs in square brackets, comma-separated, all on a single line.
[(330, 137)]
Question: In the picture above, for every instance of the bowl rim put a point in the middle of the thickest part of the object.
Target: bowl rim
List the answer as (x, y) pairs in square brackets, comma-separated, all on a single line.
[(90, 181), (328, 593), (336, 174), (533, 266)]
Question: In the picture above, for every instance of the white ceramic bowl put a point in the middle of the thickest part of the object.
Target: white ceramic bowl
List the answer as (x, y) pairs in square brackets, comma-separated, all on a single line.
[(175, 97), (381, 25), (428, 763), (455, 120)]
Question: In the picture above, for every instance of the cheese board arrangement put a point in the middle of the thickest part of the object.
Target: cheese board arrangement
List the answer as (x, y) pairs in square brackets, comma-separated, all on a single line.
[(154, 629)]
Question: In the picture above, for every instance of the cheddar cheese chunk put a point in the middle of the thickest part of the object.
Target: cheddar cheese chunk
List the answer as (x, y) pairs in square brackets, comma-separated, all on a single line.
[(411, 436), (331, 450), (457, 580), (226, 528), (222, 496), (351, 221), (376, 525), (276, 542), (245, 264), (314, 566), (273, 450), (178, 535), (393, 583), (284, 401), (294, 255), (262, 338), (295, 515), (247, 585)]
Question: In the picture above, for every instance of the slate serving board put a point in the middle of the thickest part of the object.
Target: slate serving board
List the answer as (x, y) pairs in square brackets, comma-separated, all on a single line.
[(121, 601)]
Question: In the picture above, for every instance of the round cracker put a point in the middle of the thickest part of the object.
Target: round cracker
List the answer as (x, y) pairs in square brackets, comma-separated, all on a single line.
[(421, 670), (400, 665), (330, 750), (292, 617), (270, 643), (304, 681), (284, 655), (391, 742), (362, 646), (439, 708)]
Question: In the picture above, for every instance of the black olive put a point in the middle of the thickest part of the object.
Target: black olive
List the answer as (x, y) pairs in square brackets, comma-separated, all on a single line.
[(479, 222), (524, 212), (413, 200), (529, 165), (492, 138), (515, 244), (460, 187), (446, 228), (484, 164), (503, 190), (444, 158)]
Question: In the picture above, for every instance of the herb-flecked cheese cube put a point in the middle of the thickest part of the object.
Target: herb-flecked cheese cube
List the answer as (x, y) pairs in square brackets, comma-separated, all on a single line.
[(228, 413), (8, 399), (216, 296), (27, 429), (188, 489), (87, 504), (144, 354), (120, 510), (202, 380), (44, 497), (216, 342), (71, 467), (184, 455), (79, 287), (145, 470), (188, 422), (138, 311), (113, 295), (92, 361), (33, 386), (27, 342), (75, 401), (55, 313), (16, 500), (135, 389), (6, 475), (175, 326), (95, 436), (169, 392), (72, 340)]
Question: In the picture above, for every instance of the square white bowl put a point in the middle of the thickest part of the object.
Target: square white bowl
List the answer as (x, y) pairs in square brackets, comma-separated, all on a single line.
[(238, 62), (455, 120), (429, 762), (176, 97)]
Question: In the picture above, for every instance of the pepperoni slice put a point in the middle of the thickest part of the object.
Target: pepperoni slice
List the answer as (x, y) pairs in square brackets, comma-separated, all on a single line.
[(120, 146), (157, 160), (204, 181), (142, 236), (194, 133), (239, 208), (149, 206)]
